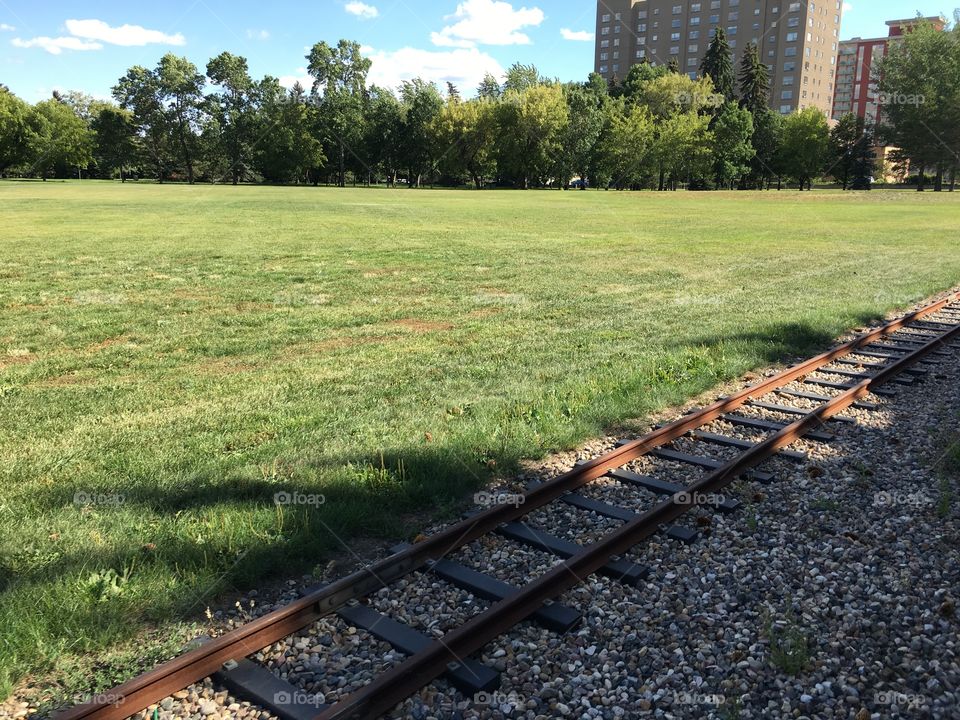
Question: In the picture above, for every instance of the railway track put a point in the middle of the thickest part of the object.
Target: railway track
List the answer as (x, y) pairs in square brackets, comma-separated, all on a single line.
[(800, 402)]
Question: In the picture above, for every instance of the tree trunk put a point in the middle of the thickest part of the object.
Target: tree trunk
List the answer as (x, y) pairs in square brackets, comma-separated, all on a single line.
[(920, 178), (938, 182), (184, 149)]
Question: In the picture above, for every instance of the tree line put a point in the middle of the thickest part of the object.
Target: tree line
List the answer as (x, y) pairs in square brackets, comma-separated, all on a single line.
[(657, 128)]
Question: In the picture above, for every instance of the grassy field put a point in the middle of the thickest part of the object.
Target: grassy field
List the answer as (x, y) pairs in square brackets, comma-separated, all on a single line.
[(172, 357)]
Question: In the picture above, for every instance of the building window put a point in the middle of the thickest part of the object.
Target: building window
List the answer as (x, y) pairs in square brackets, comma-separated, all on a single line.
[(785, 109), (784, 95)]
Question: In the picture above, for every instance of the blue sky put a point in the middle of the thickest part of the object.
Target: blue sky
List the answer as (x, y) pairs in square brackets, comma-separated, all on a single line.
[(57, 44)]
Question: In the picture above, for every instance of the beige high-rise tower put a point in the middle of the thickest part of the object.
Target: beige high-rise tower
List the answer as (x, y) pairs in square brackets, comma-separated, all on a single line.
[(797, 40)]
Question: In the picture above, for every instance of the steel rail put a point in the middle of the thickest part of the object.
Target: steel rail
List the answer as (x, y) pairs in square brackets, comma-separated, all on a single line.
[(402, 680), (207, 659)]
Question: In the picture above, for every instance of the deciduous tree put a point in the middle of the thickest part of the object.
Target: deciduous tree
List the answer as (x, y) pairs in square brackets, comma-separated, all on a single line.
[(806, 146)]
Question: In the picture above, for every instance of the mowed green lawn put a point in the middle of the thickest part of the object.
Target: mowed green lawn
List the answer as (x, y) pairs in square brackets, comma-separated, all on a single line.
[(171, 357)]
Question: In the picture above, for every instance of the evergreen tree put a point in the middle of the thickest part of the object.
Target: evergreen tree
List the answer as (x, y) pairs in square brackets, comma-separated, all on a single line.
[(767, 137), (754, 81), (845, 144), (864, 163), (489, 88), (718, 65)]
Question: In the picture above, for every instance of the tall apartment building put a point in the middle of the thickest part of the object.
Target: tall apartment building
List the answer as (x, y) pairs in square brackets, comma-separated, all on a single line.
[(856, 82), (798, 41)]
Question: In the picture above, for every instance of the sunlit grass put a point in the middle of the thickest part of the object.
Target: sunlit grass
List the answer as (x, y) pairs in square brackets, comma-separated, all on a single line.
[(182, 354)]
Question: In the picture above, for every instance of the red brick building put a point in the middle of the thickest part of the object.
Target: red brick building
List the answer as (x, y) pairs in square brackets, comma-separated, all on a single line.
[(856, 84)]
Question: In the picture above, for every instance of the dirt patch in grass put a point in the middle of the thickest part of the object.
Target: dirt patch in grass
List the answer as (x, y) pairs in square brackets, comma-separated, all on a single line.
[(192, 294), (16, 359), (66, 380), (381, 273), (485, 312), (423, 326), (107, 343), (226, 366)]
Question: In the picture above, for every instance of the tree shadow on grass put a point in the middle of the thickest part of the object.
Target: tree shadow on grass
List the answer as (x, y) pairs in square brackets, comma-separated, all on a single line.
[(779, 343)]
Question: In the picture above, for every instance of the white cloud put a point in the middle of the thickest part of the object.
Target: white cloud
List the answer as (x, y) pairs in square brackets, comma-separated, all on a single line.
[(579, 35), (125, 35), (55, 46), (362, 10), (465, 68), (487, 22), (6, 28), (847, 7), (258, 34), (301, 76)]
